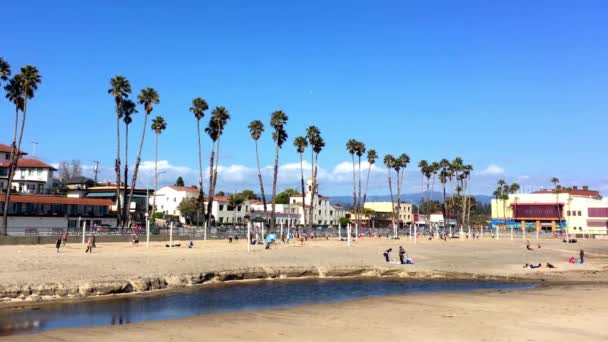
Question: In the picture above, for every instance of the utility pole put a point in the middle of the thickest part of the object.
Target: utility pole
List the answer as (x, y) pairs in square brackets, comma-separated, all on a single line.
[(96, 169), (35, 149)]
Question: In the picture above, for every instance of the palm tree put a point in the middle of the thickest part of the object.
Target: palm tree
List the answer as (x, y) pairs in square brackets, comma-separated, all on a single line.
[(256, 128), (278, 120), (312, 134), (301, 144), (5, 69), (127, 109), (220, 117), (555, 182), (389, 163), (360, 150), (317, 147), (27, 80), (120, 88), (14, 94), (469, 172), (422, 165), (147, 97), (400, 164), (158, 126), (351, 148), (199, 106), (212, 130), (371, 160), (502, 185), (444, 174)]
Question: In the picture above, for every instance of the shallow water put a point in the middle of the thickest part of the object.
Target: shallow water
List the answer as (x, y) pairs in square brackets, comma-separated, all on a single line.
[(237, 297)]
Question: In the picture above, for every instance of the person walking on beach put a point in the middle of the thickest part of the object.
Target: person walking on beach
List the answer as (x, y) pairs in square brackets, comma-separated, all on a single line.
[(89, 245), (387, 254), (64, 239), (582, 255), (58, 244), (402, 255)]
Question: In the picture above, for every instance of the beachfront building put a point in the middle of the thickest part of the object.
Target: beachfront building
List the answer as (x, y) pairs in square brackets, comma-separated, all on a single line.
[(288, 215), (169, 198), (32, 176), (383, 213), (43, 214), (579, 211), (324, 213), (435, 219)]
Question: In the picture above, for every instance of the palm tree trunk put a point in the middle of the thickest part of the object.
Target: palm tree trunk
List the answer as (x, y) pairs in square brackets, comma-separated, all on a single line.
[(214, 171), (274, 186), (155, 174), (257, 157), (315, 191), (428, 204), (137, 161), (201, 193), (126, 206), (443, 209), (117, 170), (11, 173), (354, 192), (360, 212), (390, 190), (303, 189), (312, 190), (369, 169), (210, 203), (398, 210)]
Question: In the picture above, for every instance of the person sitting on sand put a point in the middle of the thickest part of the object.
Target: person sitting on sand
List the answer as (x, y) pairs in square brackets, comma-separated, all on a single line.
[(402, 255), (191, 244), (535, 266), (550, 266), (528, 245), (387, 254)]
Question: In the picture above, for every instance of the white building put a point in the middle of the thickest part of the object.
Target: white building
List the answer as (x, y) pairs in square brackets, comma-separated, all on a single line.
[(169, 198), (32, 176), (580, 211)]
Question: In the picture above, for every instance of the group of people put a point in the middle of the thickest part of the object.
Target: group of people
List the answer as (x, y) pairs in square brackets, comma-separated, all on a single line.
[(62, 241), (403, 258)]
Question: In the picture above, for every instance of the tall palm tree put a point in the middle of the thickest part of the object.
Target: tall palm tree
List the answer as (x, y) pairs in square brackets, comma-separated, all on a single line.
[(148, 97), (127, 109), (502, 185), (158, 126), (317, 147), (220, 117), (389, 163), (256, 128), (422, 166), (457, 166), (212, 131), (371, 160), (120, 88), (198, 108), (312, 134), (400, 164), (301, 144), (360, 151), (278, 120), (351, 148), (555, 182), (28, 80), (444, 175), (14, 93)]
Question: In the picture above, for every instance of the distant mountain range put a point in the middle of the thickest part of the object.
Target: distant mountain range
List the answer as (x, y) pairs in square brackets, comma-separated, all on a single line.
[(411, 198)]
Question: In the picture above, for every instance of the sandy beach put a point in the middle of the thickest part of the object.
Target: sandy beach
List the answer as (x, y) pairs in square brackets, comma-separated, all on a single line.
[(573, 306)]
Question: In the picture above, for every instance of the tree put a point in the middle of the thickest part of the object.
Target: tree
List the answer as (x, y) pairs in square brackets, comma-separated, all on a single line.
[(221, 193), (256, 128), (389, 162), (301, 144), (158, 126), (351, 148), (371, 160), (317, 146), (402, 161), (199, 106), (555, 182), (179, 181), (128, 109), (69, 170), (120, 88), (360, 151), (444, 174), (278, 120), (27, 82), (148, 97), (219, 118), (249, 195), (313, 136), (283, 196), (5, 70), (189, 207), (422, 166)]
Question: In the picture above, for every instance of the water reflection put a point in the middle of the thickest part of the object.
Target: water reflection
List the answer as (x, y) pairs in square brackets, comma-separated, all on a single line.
[(203, 301)]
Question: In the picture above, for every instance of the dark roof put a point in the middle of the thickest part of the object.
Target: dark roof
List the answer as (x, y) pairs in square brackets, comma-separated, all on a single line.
[(79, 180)]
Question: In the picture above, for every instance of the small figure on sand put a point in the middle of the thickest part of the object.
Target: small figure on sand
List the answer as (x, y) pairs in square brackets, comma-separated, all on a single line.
[(528, 245), (58, 244), (64, 238), (387, 254), (582, 255), (89, 245), (402, 255)]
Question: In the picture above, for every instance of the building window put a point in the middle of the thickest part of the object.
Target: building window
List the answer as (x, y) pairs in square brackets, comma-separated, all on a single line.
[(579, 213), (568, 213), (30, 172), (221, 209), (39, 171)]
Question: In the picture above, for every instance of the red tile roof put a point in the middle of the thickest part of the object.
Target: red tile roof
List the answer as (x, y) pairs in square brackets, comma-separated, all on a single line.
[(184, 188), (29, 163), (578, 192), (41, 199), (7, 149)]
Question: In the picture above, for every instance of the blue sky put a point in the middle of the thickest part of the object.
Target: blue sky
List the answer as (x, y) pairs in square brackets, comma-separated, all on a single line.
[(518, 88)]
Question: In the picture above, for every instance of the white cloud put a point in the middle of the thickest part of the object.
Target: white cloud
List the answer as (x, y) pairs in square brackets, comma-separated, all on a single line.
[(492, 170)]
